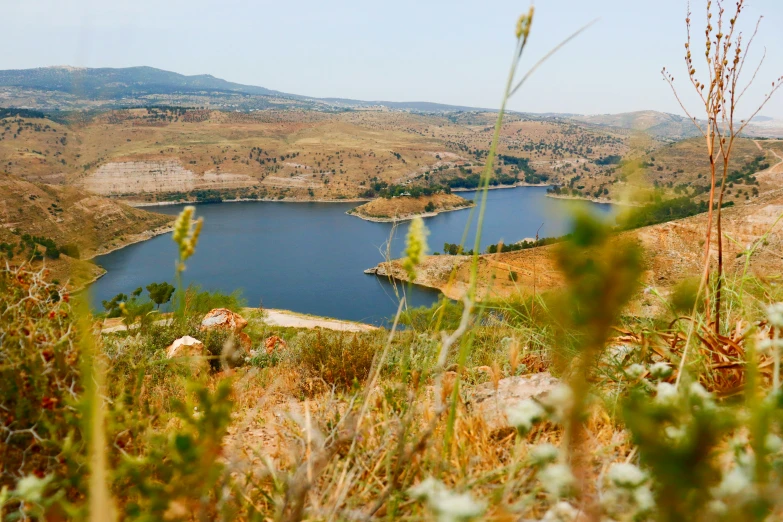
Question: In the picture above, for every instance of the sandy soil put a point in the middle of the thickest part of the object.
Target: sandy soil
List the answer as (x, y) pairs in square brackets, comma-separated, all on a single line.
[(290, 319), (272, 317)]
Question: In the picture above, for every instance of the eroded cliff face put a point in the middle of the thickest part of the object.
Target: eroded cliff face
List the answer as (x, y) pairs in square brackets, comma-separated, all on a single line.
[(137, 177)]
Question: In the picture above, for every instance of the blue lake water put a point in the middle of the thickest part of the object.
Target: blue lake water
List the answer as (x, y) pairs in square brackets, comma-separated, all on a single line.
[(310, 257)]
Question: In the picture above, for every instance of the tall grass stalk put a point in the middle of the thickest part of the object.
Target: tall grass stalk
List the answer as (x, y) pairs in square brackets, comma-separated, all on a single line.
[(101, 507), (524, 25)]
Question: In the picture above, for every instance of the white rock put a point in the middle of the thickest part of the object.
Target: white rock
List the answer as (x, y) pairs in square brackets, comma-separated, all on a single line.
[(185, 347), (492, 405)]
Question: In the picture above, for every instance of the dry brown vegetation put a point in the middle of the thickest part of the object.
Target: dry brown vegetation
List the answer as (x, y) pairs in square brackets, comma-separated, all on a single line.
[(292, 154), (69, 215)]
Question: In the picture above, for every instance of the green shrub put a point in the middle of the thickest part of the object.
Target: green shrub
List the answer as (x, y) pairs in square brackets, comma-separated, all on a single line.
[(71, 250), (202, 301), (425, 318)]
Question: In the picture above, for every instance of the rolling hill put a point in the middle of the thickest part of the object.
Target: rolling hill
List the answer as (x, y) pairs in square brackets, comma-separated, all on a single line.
[(63, 87), (652, 122), (69, 216)]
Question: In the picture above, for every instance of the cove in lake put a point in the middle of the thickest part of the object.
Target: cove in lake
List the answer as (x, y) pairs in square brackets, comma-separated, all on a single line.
[(310, 257)]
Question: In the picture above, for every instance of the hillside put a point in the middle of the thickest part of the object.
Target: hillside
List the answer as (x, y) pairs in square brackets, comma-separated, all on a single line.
[(400, 208), (673, 251), (70, 218), (671, 126), (652, 122), (154, 154), (187, 154), (681, 168)]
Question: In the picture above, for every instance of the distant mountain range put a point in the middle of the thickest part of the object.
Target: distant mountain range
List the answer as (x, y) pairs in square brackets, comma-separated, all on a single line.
[(64, 88), (54, 87)]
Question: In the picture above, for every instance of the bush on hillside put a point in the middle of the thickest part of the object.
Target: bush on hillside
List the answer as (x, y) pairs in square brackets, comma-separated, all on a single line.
[(39, 372), (202, 301)]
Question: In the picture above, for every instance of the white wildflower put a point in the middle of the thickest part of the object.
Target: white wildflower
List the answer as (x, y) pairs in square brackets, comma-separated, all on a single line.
[(31, 488), (660, 370), (766, 346), (525, 414), (697, 390), (559, 401), (627, 503), (626, 475), (675, 433), (426, 488), (773, 443), (775, 315), (733, 483), (644, 498), (717, 507), (557, 479), (635, 371), (447, 505), (746, 460), (543, 453), (739, 442), (561, 512), (666, 393)]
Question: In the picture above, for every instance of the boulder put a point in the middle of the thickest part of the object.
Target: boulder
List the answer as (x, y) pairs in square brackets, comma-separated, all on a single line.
[(272, 342), (192, 348), (223, 319), (491, 404), (186, 347), (244, 341)]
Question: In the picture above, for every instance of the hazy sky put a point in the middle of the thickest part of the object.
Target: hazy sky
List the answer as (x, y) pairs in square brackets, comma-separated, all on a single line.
[(448, 51)]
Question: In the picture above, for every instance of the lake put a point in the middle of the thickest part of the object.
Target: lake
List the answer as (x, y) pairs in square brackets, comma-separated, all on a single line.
[(310, 257)]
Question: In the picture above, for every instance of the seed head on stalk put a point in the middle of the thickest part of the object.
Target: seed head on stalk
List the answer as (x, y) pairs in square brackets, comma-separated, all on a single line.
[(186, 234)]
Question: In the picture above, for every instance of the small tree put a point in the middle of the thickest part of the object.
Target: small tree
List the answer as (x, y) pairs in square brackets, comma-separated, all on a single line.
[(112, 307), (160, 293)]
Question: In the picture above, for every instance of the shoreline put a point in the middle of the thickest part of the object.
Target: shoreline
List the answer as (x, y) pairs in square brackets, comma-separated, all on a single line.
[(499, 187), (386, 270), (408, 217), (271, 317), (292, 319), (137, 238), (142, 204), (594, 200)]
